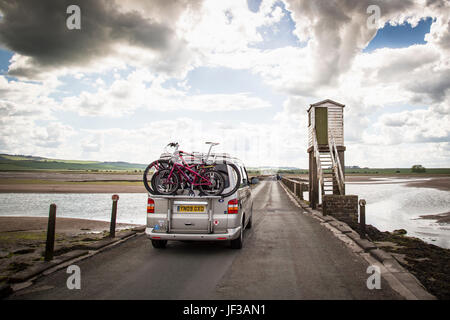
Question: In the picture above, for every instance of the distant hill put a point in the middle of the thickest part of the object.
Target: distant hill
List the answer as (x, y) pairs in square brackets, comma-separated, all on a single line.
[(23, 162), (272, 170)]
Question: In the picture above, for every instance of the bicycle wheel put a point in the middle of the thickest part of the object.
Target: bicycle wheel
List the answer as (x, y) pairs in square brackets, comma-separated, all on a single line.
[(164, 183), (217, 183), (234, 176), (152, 168)]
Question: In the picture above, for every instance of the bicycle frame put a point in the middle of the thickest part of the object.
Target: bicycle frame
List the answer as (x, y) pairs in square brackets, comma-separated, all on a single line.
[(202, 181), (182, 168)]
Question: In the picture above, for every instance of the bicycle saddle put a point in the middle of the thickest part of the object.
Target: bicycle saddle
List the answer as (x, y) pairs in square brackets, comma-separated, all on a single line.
[(173, 144), (212, 143)]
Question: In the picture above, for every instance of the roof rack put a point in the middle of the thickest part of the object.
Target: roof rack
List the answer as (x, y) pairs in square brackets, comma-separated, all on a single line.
[(213, 156), (160, 196)]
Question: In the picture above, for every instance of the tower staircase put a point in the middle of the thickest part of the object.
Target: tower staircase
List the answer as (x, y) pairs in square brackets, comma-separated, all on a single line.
[(329, 169)]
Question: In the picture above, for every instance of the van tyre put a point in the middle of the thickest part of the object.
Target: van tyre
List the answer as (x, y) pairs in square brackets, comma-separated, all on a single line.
[(159, 244), (239, 241), (249, 223)]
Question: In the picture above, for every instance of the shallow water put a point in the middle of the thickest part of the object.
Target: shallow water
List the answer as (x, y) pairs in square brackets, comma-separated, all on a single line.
[(390, 205), (131, 207), (393, 206)]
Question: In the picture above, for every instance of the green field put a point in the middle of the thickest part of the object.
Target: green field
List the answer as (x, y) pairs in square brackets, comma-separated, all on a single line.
[(27, 163), (21, 163), (394, 171), (380, 171)]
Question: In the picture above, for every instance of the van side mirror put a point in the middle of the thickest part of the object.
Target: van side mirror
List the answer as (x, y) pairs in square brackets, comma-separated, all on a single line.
[(254, 180)]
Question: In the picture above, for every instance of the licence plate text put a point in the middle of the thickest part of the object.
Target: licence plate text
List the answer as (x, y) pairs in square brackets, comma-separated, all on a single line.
[(191, 208)]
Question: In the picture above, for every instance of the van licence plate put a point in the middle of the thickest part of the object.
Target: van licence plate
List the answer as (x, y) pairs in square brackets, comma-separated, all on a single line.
[(191, 208)]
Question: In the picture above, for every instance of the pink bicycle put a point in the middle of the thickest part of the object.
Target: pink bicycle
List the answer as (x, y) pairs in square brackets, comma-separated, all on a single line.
[(171, 175), (176, 173)]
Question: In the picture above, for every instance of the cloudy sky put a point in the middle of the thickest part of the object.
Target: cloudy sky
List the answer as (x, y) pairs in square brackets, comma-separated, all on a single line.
[(139, 74)]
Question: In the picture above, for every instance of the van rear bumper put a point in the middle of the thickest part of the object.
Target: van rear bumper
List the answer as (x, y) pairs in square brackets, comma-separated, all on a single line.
[(230, 235)]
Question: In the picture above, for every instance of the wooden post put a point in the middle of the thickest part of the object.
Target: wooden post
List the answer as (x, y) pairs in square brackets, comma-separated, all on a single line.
[(300, 194), (112, 226), (362, 218), (314, 196), (50, 244), (309, 176), (342, 160)]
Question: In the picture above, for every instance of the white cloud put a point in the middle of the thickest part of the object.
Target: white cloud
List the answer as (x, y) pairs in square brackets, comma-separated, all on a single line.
[(255, 144), (226, 26), (142, 90), (221, 33)]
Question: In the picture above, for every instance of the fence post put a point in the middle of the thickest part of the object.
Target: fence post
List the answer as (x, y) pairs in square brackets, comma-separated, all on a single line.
[(362, 218), (50, 244), (112, 226), (300, 194)]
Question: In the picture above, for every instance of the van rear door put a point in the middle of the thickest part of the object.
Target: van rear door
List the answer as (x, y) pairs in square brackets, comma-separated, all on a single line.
[(190, 216)]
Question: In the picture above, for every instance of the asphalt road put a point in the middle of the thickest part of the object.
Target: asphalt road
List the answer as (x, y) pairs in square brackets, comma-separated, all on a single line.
[(286, 255)]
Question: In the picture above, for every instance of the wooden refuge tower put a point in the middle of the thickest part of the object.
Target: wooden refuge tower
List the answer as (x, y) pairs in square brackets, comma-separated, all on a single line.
[(326, 150)]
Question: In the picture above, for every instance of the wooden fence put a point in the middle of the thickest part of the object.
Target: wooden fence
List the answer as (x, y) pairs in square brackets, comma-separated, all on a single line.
[(297, 187)]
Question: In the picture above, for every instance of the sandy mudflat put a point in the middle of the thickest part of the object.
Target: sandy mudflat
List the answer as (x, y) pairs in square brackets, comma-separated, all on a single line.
[(71, 188), (63, 225), (70, 176), (441, 183), (440, 218), (437, 182), (72, 182), (23, 239)]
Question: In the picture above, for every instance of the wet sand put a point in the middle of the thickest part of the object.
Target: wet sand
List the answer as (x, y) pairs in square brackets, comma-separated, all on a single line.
[(72, 188), (70, 182), (440, 218), (63, 225), (70, 176), (441, 183), (23, 239), (76, 182)]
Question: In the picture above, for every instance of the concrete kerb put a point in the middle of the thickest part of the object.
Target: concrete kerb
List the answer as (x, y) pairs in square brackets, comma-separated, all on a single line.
[(43, 266), (411, 287), (24, 279)]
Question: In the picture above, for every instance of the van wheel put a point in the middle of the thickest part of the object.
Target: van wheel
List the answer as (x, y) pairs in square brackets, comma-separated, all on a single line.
[(159, 244), (249, 223), (237, 243)]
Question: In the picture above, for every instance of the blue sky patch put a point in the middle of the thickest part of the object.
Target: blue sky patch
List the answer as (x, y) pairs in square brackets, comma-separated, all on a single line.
[(401, 36), (279, 35), (253, 5), (5, 56)]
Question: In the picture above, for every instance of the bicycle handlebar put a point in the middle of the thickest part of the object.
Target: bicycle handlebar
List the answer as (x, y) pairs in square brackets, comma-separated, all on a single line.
[(176, 153)]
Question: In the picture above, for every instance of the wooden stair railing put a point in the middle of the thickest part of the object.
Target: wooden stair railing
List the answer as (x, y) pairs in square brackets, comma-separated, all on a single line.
[(337, 168)]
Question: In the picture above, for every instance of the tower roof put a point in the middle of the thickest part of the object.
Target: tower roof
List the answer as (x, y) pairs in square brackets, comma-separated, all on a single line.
[(325, 101)]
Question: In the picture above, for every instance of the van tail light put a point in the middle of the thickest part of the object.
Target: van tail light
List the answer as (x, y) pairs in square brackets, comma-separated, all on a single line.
[(150, 205), (233, 206)]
